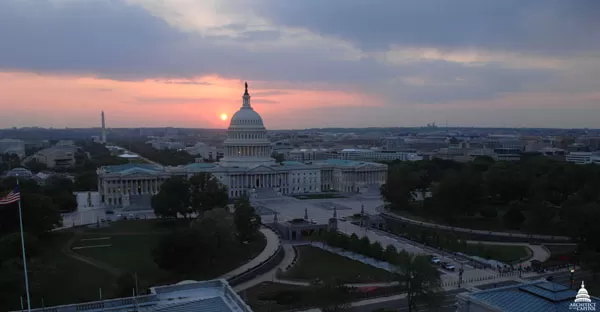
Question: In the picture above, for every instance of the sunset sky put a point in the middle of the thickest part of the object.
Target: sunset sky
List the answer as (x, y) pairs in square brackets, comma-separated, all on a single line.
[(309, 63)]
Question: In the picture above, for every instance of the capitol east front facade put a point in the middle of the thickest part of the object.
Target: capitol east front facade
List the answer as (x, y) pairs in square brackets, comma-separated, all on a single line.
[(247, 169)]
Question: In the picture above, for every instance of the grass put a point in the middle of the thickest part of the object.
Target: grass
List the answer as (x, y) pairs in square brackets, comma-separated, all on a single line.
[(315, 263), (273, 297), (503, 253), (132, 252), (277, 297), (318, 196), (558, 253), (58, 279)]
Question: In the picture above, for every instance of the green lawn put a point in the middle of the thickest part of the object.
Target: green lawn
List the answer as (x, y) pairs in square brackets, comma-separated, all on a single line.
[(277, 297), (57, 279), (503, 253), (315, 263), (133, 252), (319, 196), (274, 297)]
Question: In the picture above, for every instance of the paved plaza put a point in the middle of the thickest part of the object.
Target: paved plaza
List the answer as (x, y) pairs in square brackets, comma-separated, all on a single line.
[(319, 210)]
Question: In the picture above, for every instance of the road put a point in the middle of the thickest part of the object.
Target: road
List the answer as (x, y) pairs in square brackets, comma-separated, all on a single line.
[(401, 304)]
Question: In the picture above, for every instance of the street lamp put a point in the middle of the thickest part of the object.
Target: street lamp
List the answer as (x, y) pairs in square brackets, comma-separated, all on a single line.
[(572, 277)]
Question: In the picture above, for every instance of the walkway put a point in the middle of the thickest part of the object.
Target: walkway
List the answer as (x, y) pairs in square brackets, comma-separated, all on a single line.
[(465, 230), (270, 249), (271, 276)]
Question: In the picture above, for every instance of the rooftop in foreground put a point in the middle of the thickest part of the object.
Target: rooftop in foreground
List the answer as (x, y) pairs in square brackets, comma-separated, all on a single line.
[(537, 296), (187, 296)]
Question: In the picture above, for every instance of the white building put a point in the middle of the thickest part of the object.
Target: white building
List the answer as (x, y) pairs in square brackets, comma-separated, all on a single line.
[(583, 158), (56, 157), (245, 168), (311, 154), (377, 155), (201, 150)]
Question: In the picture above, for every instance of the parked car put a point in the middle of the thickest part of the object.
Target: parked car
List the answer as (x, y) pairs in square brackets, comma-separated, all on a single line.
[(448, 266), (436, 260), (109, 212)]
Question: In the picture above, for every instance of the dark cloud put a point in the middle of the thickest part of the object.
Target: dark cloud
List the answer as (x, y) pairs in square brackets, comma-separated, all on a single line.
[(165, 100), (270, 93), (264, 101), (200, 83), (539, 26), (111, 39)]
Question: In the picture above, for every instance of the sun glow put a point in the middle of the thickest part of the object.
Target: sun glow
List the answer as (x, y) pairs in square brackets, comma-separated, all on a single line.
[(223, 116)]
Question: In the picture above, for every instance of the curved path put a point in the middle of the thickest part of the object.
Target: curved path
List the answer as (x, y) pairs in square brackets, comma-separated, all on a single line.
[(270, 249), (392, 215)]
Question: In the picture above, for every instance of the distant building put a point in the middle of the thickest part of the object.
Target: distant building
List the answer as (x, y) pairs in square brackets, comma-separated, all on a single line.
[(207, 296), (204, 151), (12, 146), (377, 155), (583, 158), (310, 154), (508, 153), (538, 296), (282, 147), (19, 172), (166, 144), (56, 157)]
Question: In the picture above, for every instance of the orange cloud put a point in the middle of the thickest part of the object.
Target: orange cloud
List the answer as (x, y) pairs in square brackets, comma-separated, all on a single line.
[(66, 101)]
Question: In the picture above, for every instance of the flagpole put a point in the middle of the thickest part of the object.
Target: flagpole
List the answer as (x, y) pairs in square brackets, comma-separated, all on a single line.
[(23, 250)]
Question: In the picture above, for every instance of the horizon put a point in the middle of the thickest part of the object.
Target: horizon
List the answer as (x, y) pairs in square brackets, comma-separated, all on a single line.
[(150, 64)]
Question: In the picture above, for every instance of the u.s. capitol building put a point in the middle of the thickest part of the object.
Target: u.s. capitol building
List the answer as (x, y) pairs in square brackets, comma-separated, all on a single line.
[(246, 169)]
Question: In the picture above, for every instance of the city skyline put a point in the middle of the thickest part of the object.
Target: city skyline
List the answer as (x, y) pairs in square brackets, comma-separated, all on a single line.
[(382, 64)]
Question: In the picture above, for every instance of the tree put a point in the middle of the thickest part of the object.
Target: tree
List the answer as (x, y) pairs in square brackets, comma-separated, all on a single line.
[(279, 158), (247, 221), (513, 218), (35, 166), (400, 188), (86, 181), (376, 251), (206, 193), (215, 232), (40, 215), (10, 246), (172, 199), (390, 254), (459, 193), (179, 251), (422, 280), (61, 190)]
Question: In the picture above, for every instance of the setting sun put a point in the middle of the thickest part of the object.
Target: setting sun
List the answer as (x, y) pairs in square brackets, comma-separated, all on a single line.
[(223, 116)]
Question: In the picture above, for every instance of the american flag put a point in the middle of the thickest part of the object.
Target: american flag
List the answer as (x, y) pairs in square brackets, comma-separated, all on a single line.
[(12, 197)]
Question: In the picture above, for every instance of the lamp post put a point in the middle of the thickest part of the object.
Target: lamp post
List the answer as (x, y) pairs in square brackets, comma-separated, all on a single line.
[(572, 277)]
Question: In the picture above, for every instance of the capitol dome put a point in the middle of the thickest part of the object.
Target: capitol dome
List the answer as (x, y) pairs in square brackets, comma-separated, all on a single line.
[(246, 116), (247, 143), (582, 295)]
